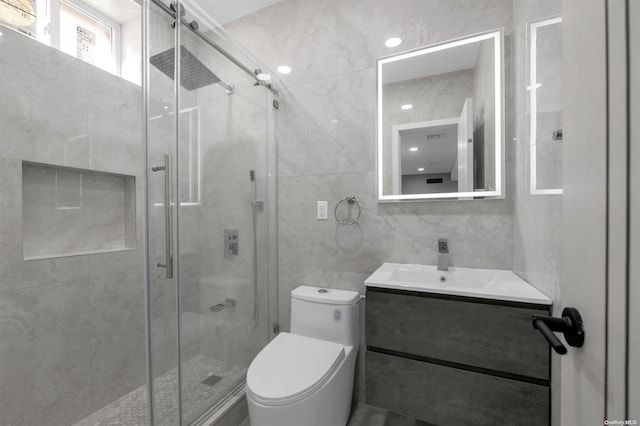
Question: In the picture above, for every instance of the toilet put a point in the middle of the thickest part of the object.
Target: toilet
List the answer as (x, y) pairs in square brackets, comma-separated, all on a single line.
[(306, 377)]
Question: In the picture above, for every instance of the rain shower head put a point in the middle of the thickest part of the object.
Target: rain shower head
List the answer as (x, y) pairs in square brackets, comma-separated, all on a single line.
[(193, 73)]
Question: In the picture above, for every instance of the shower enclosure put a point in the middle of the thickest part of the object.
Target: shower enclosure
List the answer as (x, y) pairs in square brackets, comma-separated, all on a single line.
[(210, 159), (109, 188)]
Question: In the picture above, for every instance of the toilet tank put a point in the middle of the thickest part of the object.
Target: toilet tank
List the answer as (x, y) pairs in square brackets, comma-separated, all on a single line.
[(326, 314)]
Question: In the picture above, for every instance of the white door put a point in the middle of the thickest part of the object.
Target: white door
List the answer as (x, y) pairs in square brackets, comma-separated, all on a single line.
[(595, 209), (465, 147)]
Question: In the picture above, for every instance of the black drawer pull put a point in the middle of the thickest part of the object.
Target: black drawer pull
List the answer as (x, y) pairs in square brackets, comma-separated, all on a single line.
[(570, 325)]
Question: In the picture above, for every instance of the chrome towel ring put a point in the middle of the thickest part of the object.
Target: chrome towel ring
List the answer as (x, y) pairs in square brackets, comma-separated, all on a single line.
[(351, 201)]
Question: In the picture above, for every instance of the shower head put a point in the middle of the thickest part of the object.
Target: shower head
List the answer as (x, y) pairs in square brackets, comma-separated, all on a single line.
[(252, 175), (193, 73)]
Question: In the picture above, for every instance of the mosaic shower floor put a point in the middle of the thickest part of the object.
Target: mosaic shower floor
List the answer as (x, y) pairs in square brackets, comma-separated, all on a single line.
[(131, 409)]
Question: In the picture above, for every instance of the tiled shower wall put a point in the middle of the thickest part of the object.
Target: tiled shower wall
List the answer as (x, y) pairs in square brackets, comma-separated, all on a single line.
[(326, 140), (71, 328)]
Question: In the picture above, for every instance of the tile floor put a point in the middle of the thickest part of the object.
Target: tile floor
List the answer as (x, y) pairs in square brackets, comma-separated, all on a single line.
[(366, 415)]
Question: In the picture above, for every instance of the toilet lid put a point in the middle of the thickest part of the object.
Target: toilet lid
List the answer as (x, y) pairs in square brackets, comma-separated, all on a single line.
[(291, 367)]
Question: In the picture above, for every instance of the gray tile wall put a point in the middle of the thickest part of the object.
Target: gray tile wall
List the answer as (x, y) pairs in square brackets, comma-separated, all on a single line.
[(537, 218), (71, 211), (326, 140), (71, 328)]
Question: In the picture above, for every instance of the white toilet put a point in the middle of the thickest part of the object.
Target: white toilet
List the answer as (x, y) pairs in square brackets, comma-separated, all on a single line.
[(305, 378)]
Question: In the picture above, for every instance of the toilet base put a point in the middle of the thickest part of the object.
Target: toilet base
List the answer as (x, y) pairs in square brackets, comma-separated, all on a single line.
[(328, 406)]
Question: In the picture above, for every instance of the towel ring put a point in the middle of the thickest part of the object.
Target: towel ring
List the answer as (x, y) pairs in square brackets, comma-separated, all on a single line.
[(350, 200)]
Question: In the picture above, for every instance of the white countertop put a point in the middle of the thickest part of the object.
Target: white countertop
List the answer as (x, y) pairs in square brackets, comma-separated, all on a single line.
[(470, 282)]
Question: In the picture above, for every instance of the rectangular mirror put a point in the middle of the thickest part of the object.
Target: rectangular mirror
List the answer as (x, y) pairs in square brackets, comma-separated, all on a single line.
[(440, 121), (544, 89)]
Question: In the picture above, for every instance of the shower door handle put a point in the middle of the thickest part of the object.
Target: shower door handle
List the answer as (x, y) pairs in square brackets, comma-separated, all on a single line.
[(168, 215)]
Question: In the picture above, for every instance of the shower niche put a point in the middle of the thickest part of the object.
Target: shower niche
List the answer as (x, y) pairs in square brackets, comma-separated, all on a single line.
[(68, 211)]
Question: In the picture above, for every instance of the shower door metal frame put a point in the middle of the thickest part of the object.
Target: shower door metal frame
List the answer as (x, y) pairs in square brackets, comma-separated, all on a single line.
[(170, 202)]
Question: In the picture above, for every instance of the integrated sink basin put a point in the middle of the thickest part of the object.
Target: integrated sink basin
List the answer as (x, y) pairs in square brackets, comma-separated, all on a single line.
[(482, 283)]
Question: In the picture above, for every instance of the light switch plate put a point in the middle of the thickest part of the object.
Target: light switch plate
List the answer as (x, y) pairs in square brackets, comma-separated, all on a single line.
[(323, 208)]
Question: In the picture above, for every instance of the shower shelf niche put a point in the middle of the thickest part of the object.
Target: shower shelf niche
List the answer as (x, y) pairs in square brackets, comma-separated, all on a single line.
[(69, 212)]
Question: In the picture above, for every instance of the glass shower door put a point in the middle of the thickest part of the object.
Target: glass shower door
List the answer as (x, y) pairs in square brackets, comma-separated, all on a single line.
[(210, 218), (220, 168)]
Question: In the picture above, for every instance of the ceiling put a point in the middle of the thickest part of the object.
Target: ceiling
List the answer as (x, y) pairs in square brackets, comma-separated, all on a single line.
[(434, 155), (457, 58), (225, 11)]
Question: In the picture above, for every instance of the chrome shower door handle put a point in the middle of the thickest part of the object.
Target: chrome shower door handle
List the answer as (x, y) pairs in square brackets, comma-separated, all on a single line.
[(168, 215)]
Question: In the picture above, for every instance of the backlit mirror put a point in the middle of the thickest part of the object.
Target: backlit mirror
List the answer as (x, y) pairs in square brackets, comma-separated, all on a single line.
[(544, 89), (439, 121)]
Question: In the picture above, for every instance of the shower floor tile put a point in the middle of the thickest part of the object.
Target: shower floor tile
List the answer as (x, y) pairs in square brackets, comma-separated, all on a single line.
[(131, 409)]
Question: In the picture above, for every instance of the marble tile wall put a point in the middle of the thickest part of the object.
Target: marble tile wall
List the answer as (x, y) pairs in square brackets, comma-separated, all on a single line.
[(326, 140), (537, 218), (71, 328), (71, 211)]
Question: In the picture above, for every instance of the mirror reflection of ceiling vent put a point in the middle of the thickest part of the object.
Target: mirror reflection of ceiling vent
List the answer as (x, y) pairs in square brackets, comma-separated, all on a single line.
[(434, 136)]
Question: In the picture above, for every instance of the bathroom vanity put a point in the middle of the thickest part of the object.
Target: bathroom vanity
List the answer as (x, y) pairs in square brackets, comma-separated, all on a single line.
[(456, 347)]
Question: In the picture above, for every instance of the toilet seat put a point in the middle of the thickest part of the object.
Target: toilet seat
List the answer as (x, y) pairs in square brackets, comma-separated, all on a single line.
[(291, 367)]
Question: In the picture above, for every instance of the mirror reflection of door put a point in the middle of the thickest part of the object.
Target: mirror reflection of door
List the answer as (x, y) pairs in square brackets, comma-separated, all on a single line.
[(434, 156)]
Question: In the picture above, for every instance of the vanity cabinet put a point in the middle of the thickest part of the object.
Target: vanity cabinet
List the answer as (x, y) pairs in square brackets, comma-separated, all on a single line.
[(456, 360)]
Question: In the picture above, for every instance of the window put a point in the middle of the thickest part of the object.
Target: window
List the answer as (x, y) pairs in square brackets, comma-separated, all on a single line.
[(89, 35), (89, 30)]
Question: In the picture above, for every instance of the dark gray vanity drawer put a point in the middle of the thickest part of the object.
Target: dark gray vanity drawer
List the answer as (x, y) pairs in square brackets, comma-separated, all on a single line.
[(460, 331), (448, 396)]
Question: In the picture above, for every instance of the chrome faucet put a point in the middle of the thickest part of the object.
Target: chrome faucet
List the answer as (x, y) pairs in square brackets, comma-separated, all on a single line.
[(443, 254)]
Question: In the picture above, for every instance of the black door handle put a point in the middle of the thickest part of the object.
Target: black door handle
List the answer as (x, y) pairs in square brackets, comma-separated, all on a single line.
[(570, 325)]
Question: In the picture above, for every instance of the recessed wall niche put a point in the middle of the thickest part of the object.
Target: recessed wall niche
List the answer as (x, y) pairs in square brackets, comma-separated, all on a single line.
[(68, 211)]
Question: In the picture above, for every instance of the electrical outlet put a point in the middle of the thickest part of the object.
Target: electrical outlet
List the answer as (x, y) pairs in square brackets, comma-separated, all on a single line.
[(323, 208)]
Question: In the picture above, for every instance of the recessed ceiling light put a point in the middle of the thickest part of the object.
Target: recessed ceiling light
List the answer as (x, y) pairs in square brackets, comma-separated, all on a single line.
[(413, 149), (406, 106), (421, 169), (393, 42), (284, 69), (166, 107)]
